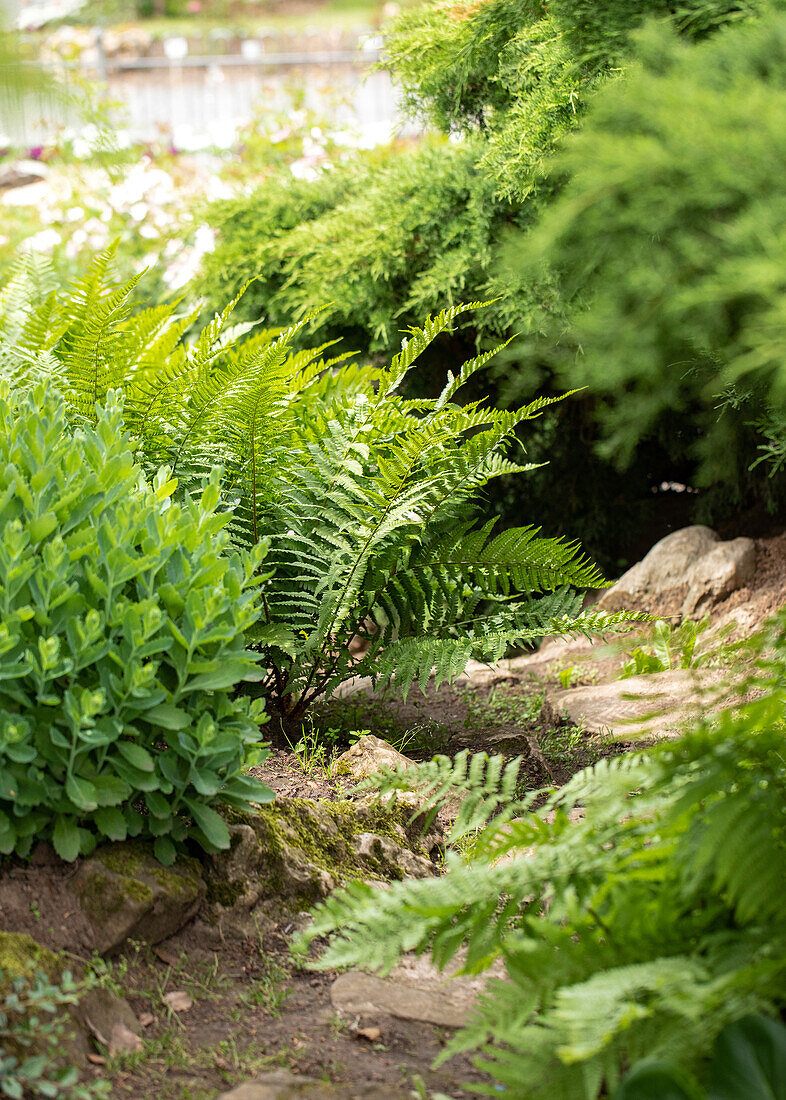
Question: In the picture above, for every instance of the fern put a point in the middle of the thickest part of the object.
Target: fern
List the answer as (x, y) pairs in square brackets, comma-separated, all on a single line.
[(638, 931), (366, 497)]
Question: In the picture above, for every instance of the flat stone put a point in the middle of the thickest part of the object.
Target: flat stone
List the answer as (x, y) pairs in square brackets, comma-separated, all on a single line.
[(127, 894), (639, 706), (281, 1085), (414, 990)]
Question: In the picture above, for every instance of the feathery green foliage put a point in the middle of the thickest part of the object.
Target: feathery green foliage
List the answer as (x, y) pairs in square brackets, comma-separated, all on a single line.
[(368, 500), (121, 639), (670, 238), (639, 930), (388, 238)]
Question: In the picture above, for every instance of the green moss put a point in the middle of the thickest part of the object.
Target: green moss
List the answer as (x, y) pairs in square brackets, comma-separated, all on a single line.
[(325, 832), (136, 861), (21, 956), (103, 895), (224, 893)]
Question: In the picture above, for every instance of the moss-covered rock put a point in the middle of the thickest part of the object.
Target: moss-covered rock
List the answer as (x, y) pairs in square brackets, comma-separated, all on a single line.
[(95, 1014), (296, 851), (22, 957), (127, 894)]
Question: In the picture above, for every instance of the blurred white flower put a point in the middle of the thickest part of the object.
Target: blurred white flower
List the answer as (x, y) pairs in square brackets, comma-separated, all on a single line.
[(43, 241)]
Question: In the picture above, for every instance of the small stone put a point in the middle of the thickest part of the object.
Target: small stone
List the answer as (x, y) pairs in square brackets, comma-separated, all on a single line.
[(178, 1000), (368, 756), (122, 1039), (369, 1033)]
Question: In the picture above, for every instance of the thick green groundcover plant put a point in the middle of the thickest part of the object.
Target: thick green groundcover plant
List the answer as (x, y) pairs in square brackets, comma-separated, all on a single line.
[(121, 637)]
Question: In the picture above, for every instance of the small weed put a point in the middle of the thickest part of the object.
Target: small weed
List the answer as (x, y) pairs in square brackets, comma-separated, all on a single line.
[(313, 749), (268, 991), (577, 676), (167, 1050), (572, 746), (685, 646), (237, 1063), (565, 676), (110, 974), (338, 1026), (561, 745), (502, 706)]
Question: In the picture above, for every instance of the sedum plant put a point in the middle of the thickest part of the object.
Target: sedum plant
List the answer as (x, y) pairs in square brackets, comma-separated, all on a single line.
[(370, 501), (121, 636), (637, 930), (34, 1024)]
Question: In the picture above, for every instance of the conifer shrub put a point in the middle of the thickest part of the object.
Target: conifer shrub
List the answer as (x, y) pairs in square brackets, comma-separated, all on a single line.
[(386, 239), (120, 642), (669, 236), (369, 502), (635, 931)]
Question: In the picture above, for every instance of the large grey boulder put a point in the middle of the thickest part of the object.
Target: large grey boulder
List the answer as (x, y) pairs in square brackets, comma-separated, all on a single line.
[(727, 567), (685, 574)]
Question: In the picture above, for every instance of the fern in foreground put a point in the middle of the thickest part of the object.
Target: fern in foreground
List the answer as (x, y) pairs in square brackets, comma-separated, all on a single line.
[(369, 500), (639, 931)]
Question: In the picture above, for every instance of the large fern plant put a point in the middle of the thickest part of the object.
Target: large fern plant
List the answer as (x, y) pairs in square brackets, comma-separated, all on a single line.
[(637, 932), (369, 499)]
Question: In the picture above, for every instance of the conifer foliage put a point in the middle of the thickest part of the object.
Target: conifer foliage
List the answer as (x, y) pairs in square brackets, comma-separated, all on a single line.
[(368, 500)]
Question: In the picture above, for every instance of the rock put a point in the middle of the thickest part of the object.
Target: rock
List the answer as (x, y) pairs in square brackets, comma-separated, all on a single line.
[(727, 567), (380, 849), (368, 756), (685, 574), (666, 564), (21, 957), (294, 852), (99, 1013), (122, 1040), (104, 1015), (281, 1085), (127, 894), (639, 706), (414, 990)]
